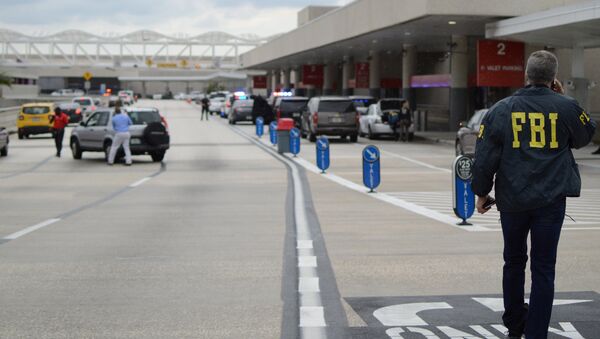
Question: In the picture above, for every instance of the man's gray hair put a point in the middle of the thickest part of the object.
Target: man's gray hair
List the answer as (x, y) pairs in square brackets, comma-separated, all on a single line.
[(542, 67)]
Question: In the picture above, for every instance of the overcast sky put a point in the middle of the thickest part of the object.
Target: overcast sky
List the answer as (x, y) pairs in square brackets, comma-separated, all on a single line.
[(262, 17)]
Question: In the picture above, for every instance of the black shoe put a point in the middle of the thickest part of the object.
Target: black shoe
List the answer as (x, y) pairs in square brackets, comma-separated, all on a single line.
[(58, 155)]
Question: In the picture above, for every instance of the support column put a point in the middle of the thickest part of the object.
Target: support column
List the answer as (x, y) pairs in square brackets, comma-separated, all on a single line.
[(409, 68), (375, 74), (578, 86), (275, 80), (285, 78), (329, 78), (459, 68), (346, 74), (269, 83), (296, 76)]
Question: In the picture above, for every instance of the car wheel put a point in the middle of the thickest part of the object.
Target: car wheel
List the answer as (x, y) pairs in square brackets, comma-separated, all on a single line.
[(157, 156), (458, 148), (76, 149), (354, 138), (21, 134)]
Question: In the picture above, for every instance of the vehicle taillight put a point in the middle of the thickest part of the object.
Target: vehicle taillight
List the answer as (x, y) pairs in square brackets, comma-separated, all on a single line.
[(228, 104), (315, 118), (78, 111), (21, 117), (92, 108)]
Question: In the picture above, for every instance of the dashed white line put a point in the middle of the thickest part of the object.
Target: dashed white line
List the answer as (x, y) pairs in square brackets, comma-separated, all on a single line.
[(31, 229), (307, 261), (307, 285), (139, 182), (312, 316), (304, 244)]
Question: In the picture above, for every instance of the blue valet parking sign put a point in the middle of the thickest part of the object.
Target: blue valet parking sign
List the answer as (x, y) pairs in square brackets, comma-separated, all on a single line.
[(371, 167), (294, 141), (260, 126), (463, 198), (322, 146), (273, 132)]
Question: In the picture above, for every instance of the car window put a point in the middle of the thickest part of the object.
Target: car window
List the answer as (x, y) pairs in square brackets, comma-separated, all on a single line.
[(476, 119), (93, 120), (36, 110), (103, 118), (144, 117), (83, 102), (336, 106), (292, 105), (243, 103)]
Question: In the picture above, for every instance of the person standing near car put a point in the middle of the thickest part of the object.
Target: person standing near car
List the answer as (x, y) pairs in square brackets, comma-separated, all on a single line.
[(404, 120), (525, 142), (120, 123), (60, 120), (205, 103)]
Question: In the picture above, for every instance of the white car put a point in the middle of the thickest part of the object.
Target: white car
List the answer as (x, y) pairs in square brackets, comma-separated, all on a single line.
[(126, 97), (88, 106), (180, 96), (157, 97), (374, 123), (67, 93), (216, 104)]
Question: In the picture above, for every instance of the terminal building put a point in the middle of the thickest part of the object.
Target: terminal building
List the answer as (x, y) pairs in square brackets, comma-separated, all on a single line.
[(447, 57)]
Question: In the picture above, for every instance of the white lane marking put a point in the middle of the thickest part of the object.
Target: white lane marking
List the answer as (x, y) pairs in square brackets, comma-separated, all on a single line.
[(139, 182), (31, 229), (304, 244), (307, 285), (414, 161), (312, 316), (307, 261), (426, 212)]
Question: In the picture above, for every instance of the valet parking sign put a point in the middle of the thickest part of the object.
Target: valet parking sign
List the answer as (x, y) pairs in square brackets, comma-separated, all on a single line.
[(322, 146), (500, 63), (371, 167), (463, 196)]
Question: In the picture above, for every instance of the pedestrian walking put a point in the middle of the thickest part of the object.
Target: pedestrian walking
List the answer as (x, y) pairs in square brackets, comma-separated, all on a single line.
[(59, 121), (205, 103), (404, 120), (525, 142), (120, 123)]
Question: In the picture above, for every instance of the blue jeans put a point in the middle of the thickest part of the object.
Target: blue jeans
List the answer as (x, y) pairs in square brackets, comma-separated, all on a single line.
[(545, 225)]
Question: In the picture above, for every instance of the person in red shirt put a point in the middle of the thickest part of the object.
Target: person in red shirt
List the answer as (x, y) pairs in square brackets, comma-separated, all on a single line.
[(60, 121)]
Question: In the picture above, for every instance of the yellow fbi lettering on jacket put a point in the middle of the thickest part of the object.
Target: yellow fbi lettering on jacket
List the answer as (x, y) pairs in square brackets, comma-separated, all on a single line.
[(538, 123), (481, 130), (584, 118)]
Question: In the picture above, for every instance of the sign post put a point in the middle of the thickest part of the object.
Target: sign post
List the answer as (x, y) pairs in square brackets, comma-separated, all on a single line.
[(260, 126), (273, 132), (322, 146), (463, 198), (294, 141), (371, 167)]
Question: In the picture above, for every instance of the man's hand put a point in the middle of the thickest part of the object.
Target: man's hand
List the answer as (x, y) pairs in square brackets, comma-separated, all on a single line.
[(557, 87), (480, 202)]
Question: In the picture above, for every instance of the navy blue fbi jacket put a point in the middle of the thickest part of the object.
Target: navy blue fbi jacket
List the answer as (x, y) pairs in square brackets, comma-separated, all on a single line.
[(526, 140)]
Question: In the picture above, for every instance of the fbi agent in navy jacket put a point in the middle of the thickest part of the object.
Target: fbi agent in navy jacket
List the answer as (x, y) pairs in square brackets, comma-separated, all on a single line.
[(525, 144)]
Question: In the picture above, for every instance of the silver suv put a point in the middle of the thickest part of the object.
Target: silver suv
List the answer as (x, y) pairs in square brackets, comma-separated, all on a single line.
[(330, 116), (149, 133)]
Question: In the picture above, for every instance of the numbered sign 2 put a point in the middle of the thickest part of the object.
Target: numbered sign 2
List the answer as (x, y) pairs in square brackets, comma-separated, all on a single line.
[(294, 141), (322, 146), (260, 126), (371, 167)]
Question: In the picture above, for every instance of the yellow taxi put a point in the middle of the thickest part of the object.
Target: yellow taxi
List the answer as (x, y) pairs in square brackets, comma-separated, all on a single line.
[(35, 118)]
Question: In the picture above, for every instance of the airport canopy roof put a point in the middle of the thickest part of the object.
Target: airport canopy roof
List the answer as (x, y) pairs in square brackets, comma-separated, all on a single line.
[(385, 25), (570, 26), (214, 76)]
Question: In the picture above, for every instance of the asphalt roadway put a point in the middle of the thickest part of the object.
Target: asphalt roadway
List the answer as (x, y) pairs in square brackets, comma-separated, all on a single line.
[(227, 239)]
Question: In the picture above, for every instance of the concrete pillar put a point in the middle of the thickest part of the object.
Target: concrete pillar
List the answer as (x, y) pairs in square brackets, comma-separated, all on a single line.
[(346, 75), (409, 68), (577, 86), (375, 74), (269, 83), (285, 78), (329, 76), (275, 80), (459, 69), (296, 77)]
